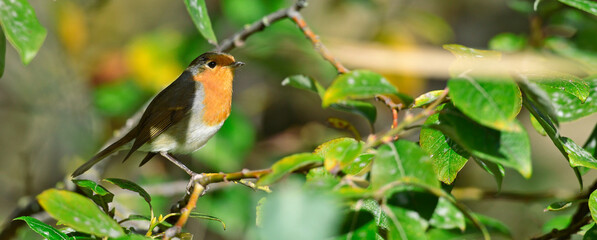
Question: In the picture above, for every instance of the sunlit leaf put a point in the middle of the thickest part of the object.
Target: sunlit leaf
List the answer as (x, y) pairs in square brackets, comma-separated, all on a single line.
[(357, 84), (287, 165), (447, 216), (426, 99), (79, 213), (537, 126), (399, 161), (43, 229), (593, 205), (339, 153), (305, 83), (578, 156), (562, 82), (447, 156), (494, 103), (198, 12), (404, 224), (585, 5), (557, 206), (511, 149), (21, 27), (568, 107)]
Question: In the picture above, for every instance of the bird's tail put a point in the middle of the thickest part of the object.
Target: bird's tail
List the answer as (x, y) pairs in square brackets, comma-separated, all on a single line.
[(104, 153)]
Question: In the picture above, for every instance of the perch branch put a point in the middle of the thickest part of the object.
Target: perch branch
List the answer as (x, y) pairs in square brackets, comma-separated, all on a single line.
[(238, 39)]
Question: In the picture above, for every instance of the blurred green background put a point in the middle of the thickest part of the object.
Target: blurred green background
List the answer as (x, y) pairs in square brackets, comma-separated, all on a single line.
[(103, 59)]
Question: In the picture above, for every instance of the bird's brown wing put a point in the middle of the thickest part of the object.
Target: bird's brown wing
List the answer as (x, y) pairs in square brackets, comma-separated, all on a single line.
[(165, 110), (168, 108)]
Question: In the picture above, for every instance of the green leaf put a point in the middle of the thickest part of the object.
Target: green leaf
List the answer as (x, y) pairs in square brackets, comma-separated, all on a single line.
[(537, 126), (447, 216), (287, 165), (22, 28), (495, 169), (128, 185), (591, 233), (2, 51), (578, 156), (357, 84), (321, 179), (43, 229), (591, 143), (91, 185), (304, 82), (491, 102), (593, 205), (562, 82), (198, 12), (402, 160), (100, 195), (404, 224), (557, 206), (360, 164), (585, 5), (426, 99), (339, 153), (448, 157), (508, 42), (364, 220), (207, 217), (568, 107), (365, 109), (134, 237), (511, 149), (79, 213)]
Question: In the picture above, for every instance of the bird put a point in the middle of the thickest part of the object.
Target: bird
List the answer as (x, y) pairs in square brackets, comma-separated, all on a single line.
[(183, 116)]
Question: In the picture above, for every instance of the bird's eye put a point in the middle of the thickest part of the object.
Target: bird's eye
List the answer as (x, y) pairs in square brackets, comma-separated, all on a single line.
[(211, 64)]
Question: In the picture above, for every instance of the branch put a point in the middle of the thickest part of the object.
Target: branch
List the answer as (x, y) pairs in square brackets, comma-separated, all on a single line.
[(238, 39), (317, 44)]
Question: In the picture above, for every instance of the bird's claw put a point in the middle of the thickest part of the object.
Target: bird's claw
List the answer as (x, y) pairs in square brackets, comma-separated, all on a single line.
[(195, 178)]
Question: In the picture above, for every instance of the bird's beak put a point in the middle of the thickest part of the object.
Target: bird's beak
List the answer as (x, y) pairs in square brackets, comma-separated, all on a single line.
[(236, 64)]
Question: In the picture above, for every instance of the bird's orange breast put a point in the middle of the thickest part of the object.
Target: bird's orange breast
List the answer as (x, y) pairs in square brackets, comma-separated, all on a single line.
[(217, 89)]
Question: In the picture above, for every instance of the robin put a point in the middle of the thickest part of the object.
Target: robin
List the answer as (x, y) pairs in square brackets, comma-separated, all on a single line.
[(183, 116)]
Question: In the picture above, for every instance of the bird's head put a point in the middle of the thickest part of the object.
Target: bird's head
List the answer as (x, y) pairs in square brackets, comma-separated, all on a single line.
[(214, 64)]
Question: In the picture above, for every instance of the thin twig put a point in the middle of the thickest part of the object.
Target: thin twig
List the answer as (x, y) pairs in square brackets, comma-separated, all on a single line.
[(317, 44), (238, 39)]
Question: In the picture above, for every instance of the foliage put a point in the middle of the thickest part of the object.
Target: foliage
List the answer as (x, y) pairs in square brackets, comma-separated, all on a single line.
[(383, 187)]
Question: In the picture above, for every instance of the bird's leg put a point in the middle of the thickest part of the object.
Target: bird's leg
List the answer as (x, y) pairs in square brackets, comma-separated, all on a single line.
[(177, 163), (194, 176)]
